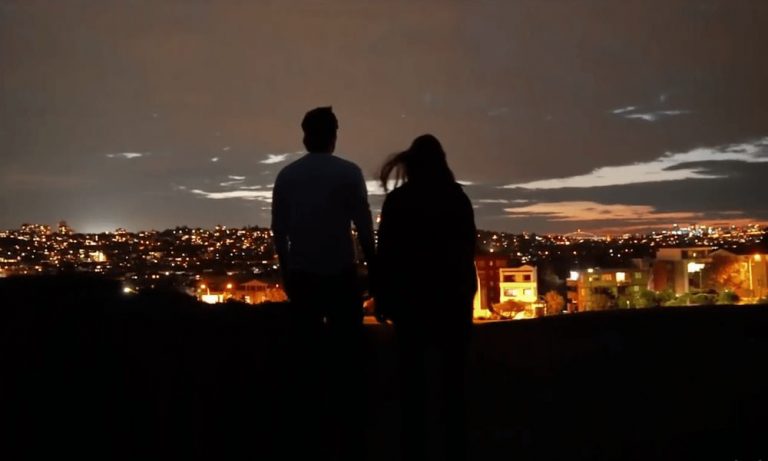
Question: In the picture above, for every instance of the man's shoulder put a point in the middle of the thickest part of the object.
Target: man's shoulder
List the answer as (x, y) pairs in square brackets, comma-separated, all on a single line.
[(346, 165), (311, 162), (292, 169), (293, 164)]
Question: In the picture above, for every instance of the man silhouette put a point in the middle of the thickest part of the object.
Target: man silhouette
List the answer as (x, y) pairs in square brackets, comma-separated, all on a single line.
[(314, 201)]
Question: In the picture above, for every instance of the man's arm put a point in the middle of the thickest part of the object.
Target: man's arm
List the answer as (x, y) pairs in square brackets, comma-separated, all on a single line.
[(361, 217), (280, 216)]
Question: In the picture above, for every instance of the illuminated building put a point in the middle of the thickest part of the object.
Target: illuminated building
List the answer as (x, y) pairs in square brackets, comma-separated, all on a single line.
[(599, 289), (254, 291), (488, 267), (257, 292), (680, 269), (518, 284)]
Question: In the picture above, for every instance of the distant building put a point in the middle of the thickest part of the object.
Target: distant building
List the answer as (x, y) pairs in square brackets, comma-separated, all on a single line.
[(598, 289), (488, 270), (518, 284), (257, 292), (254, 291), (680, 269)]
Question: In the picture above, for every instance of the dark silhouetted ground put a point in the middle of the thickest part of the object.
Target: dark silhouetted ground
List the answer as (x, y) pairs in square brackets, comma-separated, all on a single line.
[(89, 372)]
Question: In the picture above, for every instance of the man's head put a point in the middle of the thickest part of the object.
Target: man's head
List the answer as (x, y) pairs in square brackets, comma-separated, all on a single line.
[(320, 127)]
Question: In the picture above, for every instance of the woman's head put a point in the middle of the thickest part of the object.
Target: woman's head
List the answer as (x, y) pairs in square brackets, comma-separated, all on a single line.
[(423, 162)]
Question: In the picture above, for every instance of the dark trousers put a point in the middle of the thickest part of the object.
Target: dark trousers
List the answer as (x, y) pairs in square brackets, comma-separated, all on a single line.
[(433, 392), (331, 309)]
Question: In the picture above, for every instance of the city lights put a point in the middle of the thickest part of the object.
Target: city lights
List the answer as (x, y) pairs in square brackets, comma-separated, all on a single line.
[(221, 262)]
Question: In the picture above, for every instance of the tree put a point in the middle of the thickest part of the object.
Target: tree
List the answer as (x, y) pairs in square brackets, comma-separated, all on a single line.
[(703, 299), (624, 301), (727, 297), (725, 274), (555, 302), (682, 300), (509, 308), (644, 298), (664, 297), (601, 300)]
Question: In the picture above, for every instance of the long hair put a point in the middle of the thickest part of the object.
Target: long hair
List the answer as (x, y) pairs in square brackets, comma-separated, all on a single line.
[(423, 162)]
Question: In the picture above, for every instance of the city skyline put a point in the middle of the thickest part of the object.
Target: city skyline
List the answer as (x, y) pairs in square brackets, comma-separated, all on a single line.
[(556, 116), (673, 229)]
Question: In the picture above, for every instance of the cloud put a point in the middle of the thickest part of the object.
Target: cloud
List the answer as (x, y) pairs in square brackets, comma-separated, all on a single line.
[(127, 155), (593, 211), (374, 186), (225, 148), (646, 117), (669, 167), (630, 112), (492, 200), (215, 159), (624, 109), (277, 158), (653, 116), (264, 196), (501, 200), (234, 181)]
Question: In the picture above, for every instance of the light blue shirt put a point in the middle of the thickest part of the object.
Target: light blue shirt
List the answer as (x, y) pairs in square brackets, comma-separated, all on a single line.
[(314, 202)]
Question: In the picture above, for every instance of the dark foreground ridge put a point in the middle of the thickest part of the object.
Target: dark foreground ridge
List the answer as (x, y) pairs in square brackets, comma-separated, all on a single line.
[(90, 372)]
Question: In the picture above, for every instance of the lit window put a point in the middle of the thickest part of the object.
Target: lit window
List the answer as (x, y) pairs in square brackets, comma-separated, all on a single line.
[(621, 276)]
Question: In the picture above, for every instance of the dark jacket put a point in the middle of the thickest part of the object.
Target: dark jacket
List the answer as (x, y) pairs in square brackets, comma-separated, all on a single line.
[(426, 247)]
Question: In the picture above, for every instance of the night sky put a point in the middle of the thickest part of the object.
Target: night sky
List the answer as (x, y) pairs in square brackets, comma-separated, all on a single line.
[(557, 115)]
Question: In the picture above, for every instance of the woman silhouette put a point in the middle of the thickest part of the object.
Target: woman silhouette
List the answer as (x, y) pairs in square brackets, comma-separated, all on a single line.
[(426, 284)]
